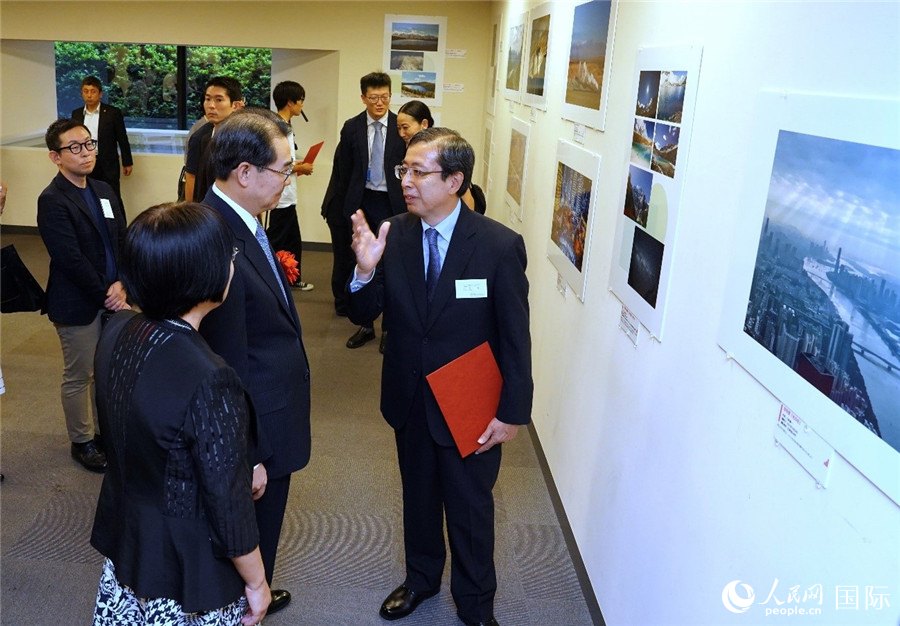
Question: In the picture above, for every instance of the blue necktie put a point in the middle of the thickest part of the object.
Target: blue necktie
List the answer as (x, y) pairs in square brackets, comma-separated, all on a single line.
[(264, 244), (376, 159), (434, 263)]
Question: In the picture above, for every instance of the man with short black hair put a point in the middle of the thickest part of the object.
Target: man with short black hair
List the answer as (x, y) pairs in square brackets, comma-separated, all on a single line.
[(107, 125), (284, 228), (222, 96), (257, 329), (447, 279), (82, 225), (363, 178)]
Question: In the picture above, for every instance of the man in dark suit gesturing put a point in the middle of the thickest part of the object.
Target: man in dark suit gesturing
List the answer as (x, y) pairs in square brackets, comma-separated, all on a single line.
[(107, 126), (257, 329), (447, 280), (363, 178)]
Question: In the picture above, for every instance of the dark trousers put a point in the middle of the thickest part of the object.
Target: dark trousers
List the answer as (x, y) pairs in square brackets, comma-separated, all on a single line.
[(269, 518), (437, 482), (283, 232), (343, 261)]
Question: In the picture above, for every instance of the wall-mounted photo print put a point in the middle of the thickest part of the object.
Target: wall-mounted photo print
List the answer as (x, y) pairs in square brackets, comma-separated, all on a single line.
[(414, 53), (539, 37), (813, 308), (590, 61), (573, 214), (647, 224), (517, 168)]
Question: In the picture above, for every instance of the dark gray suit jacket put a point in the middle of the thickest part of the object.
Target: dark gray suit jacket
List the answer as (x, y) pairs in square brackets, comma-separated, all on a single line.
[(420, 339), (259, 335)]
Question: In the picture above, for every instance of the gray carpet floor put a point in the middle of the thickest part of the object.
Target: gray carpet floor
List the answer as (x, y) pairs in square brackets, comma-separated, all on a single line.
[(341, 549)]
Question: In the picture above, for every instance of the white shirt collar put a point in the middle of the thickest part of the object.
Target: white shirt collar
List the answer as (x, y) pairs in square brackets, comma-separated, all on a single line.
[(251, 222)]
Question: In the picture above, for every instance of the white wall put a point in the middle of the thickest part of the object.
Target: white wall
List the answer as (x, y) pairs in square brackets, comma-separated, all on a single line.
[(663, 454)]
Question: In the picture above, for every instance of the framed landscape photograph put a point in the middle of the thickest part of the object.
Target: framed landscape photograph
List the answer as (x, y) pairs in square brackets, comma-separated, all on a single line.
[(574, 201), (590, 62), (535, 65), (517, 168), (414, 54), (665, 86), (512, 84), (813, 306)]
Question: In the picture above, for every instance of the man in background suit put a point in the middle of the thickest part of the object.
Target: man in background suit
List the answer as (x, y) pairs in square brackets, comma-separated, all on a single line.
[(363, 178), (107, 126), (447, 280), (257, 329), (82, 225)]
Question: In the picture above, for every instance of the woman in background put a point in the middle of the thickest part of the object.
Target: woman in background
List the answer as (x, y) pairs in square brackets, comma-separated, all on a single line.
[(413, 117), (175, 517)]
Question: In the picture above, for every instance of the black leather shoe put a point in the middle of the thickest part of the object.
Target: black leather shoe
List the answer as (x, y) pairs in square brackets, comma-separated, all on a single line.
[(490, 622), (383, 339), (361, 337), (89, 456), (280, 599), (402, 602)]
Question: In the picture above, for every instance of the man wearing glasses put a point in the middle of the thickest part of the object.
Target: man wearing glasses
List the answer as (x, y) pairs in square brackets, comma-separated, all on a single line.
[(363, 178), (82, 224), (257, 329)]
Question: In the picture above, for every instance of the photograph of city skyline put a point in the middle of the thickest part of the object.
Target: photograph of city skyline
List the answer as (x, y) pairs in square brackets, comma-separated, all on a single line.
[(825, 294)]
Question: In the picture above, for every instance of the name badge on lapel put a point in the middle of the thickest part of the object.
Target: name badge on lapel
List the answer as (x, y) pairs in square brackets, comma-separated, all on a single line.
[(471, 288), (107, 209)]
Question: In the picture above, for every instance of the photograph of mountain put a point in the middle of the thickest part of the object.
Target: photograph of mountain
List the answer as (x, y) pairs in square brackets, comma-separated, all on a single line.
[(637, 195), (406, 36), (646, 265), (571, 208), (587, 54), (825, 294), (671, 96), (642, 142), (665, 149), (537, 55), (647, 95), (514, 60)]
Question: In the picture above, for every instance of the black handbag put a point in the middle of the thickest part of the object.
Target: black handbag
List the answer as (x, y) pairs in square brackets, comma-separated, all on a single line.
[(19, 291)]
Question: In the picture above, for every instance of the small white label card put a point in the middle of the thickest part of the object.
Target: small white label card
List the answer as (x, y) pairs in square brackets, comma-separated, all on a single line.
[(805, 445), (578, 133), (629, 324), (107, 209), (456, 53), (561, 285), (471, 288), (454, 87)]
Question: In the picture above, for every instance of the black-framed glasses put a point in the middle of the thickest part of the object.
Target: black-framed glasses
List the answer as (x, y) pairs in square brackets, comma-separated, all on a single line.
[(401, 170), (90, 145), (373, 99), (286, 173)]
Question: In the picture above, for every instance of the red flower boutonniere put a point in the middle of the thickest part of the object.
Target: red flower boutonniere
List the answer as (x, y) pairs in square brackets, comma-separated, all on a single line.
[(289, 265)]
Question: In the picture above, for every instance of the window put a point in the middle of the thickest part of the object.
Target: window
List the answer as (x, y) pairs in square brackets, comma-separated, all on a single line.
[(144, 79)]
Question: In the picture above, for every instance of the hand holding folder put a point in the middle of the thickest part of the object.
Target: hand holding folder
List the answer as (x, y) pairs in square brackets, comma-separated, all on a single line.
[(467, 390), (313, 152)]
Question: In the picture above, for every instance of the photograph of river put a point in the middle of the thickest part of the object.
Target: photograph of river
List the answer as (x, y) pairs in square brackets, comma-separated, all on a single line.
[(825, 295)]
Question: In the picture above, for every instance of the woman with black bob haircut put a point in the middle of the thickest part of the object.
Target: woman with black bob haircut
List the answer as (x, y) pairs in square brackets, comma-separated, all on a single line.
[(414, 116), (175, 517)]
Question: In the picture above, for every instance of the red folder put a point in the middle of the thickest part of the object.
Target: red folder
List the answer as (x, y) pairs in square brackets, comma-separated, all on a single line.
[(467, 390), (313, 152)]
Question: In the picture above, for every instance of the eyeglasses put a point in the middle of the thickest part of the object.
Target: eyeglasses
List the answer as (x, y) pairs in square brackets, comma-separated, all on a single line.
[(90, 145), (374, 99), (286, 173), (401, 170)]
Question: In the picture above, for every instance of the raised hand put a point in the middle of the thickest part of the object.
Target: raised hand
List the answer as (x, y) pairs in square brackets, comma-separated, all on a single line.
[(366, 246)]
